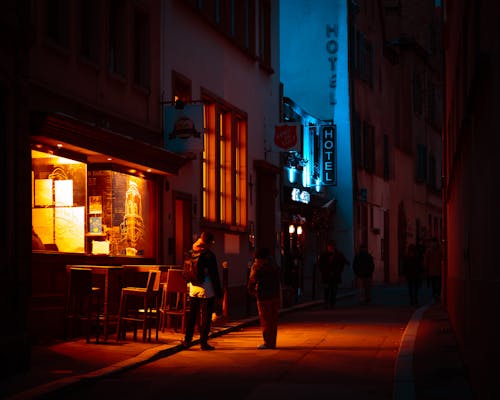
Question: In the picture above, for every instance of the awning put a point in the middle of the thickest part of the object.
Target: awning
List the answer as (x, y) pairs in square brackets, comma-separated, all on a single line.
[(96, 143)]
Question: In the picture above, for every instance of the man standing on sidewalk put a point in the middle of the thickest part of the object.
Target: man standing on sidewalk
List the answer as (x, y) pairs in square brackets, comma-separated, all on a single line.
[(264, 284), (331, 264), (203, 292)]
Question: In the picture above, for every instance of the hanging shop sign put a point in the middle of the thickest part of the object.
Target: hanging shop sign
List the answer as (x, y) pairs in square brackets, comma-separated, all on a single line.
[(329, 154), (183, 130), (286, 136)]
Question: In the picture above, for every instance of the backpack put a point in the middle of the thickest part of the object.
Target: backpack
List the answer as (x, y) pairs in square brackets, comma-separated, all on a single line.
[(190, 266)]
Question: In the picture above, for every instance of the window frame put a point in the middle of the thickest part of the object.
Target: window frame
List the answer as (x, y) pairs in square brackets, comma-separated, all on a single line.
[(224, 164), (142, 49)]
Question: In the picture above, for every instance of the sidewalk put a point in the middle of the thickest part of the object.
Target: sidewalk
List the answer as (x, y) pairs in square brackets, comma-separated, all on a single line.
[(427, 367)]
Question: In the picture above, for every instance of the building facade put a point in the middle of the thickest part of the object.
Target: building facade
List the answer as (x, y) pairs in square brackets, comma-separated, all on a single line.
[(224, 59), (315, 77), (396, 68), (376, 74), (471, 216), (87, 89)]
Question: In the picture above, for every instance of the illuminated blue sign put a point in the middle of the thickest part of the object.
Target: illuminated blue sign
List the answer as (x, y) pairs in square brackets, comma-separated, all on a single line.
[(301, 196), (329, 154)]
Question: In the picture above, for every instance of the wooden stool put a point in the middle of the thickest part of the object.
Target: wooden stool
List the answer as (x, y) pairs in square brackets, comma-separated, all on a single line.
[(146, 314), (83, 302), (174, 301)]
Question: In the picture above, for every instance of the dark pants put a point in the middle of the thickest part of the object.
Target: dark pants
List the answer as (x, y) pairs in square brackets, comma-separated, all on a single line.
[(203, 308), (268, 316), (365, 288), (413, 288), (331, 293)]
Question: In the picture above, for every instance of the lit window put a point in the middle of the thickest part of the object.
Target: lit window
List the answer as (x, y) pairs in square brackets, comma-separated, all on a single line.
[(85, 208), (224, 191)]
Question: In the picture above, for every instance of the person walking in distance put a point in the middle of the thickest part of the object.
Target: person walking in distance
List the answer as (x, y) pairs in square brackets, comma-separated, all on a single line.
[(412, 269), (264, 284), (331, 265), (204, 292), (432, 264), (363, 267)]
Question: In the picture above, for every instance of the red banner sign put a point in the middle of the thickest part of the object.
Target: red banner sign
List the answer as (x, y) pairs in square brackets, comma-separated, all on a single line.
[(285, 136)]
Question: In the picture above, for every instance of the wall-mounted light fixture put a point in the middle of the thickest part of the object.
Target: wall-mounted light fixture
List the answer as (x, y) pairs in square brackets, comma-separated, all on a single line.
[(295, 229)]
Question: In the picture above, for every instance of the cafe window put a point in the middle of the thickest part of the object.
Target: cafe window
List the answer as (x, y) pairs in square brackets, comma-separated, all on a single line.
[(85, 208)]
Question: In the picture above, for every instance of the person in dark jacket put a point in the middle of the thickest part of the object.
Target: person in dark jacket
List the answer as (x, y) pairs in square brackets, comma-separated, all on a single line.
[(412, 269), (264, 284), (432, 267), (204, 293), (331, 264), (363, 267)]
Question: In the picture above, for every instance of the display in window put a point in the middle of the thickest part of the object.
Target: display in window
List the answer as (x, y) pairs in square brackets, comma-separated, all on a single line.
[(95, 204), (63, 193), (59, 192), (43, 192), (132, 226), (95, 224), (125, 213), (100, 247)]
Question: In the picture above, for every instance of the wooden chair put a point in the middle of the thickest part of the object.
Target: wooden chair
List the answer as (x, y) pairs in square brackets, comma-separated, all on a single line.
[(174, 301), (140, 305), (83, 302)]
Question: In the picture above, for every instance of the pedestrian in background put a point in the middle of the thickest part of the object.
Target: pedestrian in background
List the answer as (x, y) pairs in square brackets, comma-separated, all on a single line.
[(363, 267), (264, 284), (203, 293), (331, 264), (432, 264), (412, 269)]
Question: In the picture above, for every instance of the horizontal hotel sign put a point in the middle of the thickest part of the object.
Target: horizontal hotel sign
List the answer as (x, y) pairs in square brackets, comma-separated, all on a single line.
[(329, 154)]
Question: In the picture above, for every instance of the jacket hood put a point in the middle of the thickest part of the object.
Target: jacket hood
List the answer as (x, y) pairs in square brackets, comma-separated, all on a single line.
[(199, 245)]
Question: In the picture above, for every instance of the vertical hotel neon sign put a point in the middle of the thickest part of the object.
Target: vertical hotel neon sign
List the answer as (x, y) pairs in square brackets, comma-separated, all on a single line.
[(329, 154)]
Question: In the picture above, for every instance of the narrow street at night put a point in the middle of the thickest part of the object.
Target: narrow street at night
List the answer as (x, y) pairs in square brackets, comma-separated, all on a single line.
[(349, 352), (205, 166)]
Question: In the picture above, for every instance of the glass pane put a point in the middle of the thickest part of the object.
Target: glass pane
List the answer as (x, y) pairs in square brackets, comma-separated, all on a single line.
[(58, 202)]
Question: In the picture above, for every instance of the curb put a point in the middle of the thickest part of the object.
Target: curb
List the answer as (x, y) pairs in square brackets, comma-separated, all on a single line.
[(404, 379)]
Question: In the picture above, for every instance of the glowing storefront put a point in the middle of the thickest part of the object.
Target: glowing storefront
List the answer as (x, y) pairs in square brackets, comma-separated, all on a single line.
[(97, 199)]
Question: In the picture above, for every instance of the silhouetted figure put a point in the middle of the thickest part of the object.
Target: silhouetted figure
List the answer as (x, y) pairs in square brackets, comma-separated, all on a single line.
[(432, 264), (412, 269), (264, 284), (331, 264), (363, 267)]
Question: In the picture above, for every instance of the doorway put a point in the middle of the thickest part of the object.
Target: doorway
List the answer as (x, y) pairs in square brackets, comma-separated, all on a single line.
[(266, 193)]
